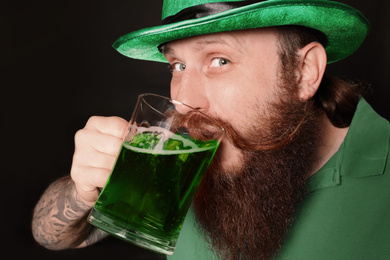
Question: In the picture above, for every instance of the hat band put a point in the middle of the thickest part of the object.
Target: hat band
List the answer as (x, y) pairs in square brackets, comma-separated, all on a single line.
[(203, 10)]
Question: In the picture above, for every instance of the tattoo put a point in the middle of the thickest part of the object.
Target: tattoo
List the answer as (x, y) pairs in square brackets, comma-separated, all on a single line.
[(95, 236), (59, 220)]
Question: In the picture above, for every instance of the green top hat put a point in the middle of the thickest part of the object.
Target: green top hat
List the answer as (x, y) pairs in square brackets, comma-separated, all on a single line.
[(344, 26)]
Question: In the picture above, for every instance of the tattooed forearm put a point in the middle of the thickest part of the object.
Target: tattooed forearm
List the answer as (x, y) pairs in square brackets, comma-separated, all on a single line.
[(59, 220)]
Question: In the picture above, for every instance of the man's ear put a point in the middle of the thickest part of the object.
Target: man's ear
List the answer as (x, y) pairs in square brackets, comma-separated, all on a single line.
[(312, 69)]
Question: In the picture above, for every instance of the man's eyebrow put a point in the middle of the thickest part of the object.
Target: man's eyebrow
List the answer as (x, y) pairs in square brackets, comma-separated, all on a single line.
[(206, 42), (166, 49)]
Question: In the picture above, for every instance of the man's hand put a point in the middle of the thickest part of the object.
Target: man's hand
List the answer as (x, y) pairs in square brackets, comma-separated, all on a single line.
[(96, 147), (59, 220)]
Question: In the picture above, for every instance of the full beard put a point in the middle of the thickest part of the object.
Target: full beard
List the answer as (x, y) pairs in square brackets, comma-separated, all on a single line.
[(245, 213)]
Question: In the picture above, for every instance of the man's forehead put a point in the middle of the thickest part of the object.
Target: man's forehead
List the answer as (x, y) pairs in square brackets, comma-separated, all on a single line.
[(233, 39)]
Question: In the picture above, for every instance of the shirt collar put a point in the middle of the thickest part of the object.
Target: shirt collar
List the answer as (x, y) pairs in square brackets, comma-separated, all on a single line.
[(363, 152)]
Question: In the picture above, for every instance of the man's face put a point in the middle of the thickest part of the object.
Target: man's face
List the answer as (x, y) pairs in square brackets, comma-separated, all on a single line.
[(247, 198), (229, 75)]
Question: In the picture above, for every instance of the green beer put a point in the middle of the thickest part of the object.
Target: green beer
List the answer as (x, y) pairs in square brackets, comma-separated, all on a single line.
[(151, 187)]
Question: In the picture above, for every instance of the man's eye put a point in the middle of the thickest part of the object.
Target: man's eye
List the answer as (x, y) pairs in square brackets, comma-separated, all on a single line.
[(178, 66), (218, 62)]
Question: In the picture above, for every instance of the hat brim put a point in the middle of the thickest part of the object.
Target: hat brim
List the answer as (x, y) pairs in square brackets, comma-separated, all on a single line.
[(344, 27)]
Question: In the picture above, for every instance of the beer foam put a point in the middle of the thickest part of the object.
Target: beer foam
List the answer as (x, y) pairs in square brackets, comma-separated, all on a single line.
[(165, 135)]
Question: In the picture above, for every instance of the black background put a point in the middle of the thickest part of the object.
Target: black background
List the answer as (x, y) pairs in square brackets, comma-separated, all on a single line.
[(58, 68)]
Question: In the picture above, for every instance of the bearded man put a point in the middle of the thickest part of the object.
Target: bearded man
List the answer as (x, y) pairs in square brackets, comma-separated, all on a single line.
[(303, 172)]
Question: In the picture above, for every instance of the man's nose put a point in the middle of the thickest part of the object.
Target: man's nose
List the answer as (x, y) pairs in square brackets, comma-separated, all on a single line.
[(191, 91)]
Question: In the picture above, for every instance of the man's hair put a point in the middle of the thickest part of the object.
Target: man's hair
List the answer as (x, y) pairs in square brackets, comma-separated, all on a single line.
[(338, 98)]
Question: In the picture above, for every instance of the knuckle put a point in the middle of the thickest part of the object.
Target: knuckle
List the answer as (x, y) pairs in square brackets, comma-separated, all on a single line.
[(75, 173), (80, 135), (92, 120)]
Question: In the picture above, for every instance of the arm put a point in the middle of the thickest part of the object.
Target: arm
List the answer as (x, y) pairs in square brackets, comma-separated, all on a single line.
[(59, 220), (60, 217)]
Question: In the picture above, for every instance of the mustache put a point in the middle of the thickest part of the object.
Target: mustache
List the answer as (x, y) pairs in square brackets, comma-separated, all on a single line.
[(205, 127), (196, 124)]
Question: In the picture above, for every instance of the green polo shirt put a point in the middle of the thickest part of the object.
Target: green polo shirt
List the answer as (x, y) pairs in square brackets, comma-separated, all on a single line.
[(346, 214)]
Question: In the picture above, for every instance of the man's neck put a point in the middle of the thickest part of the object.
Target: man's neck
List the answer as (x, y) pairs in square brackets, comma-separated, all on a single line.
[(332, 138)]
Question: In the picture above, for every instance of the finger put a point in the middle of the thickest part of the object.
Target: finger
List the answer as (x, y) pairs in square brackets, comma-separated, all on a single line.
[(95, 177), (97, 141), (114, 126), (87, 184), (95, 159)]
